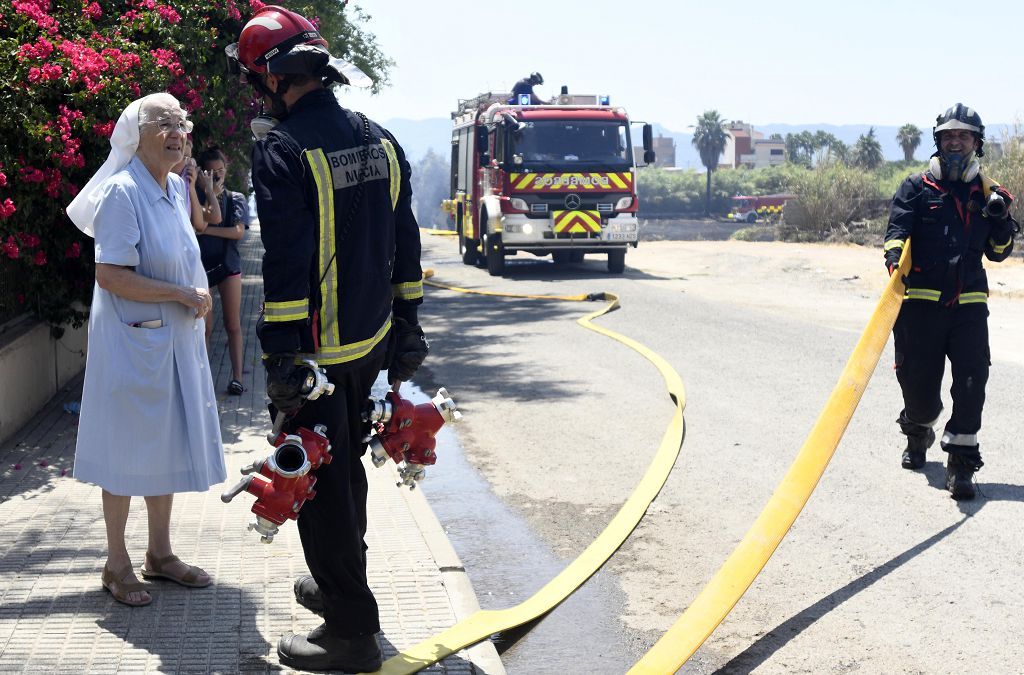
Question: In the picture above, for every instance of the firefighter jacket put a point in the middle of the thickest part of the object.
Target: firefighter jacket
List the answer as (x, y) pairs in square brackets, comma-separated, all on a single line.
[(949, 235), (342, 244)]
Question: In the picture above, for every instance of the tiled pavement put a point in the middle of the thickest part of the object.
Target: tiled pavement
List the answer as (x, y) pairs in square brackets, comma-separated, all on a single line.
[(56, 618)]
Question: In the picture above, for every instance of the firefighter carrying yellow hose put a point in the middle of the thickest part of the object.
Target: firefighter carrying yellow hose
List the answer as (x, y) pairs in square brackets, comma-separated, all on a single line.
[(953, 216)]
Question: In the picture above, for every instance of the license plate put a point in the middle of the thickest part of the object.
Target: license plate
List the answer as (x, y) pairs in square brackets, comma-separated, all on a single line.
[(619, 236)]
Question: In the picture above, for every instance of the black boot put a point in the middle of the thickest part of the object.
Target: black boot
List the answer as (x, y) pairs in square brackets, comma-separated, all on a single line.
[(917, 444), (959, 475), (319, 650), (307, 594)]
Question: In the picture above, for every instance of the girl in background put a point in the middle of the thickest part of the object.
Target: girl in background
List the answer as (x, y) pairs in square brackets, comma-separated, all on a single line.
[(218, 243)]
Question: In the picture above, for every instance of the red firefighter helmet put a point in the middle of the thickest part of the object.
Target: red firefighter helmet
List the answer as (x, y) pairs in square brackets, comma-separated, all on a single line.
[(281, 42), (271, 33)]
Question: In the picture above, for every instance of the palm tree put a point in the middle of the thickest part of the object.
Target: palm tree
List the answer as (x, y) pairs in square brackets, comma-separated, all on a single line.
[(868, 151), (909, 137), (709, 138)]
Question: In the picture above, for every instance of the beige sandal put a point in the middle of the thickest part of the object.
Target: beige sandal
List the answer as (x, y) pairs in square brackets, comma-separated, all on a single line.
[(154, 569), (121, 589)]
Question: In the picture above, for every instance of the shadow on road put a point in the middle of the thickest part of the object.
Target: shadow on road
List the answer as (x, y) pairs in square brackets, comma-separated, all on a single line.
[(776, 638)]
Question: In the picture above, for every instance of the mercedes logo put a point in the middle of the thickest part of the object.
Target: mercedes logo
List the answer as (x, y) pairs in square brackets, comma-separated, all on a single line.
[(572, 201)]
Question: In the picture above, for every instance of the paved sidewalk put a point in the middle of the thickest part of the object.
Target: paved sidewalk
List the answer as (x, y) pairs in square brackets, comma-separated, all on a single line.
[(56, 617)]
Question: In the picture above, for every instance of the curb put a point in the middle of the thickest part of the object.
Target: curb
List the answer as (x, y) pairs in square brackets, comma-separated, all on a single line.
[(482, 655)]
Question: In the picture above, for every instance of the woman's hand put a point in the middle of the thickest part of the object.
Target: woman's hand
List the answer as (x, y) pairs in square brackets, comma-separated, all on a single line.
[(189, 172), (199, 299), (206, 183)]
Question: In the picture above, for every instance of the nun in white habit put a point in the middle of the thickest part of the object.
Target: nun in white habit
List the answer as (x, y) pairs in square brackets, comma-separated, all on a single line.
[(149, 424)]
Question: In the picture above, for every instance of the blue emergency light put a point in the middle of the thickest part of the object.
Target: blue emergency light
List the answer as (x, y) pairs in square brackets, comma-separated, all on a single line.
[(524, 99), (604, 99)]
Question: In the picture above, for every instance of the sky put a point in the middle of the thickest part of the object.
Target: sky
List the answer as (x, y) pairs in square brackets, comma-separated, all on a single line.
[(668, 61)]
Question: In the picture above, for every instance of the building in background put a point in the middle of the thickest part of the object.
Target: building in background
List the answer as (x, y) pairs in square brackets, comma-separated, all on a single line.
[(747, 147), (664, 152)]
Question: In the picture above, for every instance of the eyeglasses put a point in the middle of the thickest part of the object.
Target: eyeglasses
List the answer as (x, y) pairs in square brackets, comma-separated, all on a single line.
[(167, 126)]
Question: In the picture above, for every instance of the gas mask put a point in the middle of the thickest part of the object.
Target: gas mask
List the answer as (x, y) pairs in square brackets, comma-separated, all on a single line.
[(956, 165), (266, 119), (261, 125)]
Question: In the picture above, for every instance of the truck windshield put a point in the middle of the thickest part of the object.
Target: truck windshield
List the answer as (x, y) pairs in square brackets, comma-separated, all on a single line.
[(571, 144)]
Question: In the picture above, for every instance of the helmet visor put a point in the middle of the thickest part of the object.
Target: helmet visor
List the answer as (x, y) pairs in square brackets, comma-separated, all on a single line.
[(235, 66), (956, 124)]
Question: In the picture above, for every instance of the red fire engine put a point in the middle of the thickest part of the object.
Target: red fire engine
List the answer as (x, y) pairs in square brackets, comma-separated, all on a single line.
[(558, 179), (764, 207)]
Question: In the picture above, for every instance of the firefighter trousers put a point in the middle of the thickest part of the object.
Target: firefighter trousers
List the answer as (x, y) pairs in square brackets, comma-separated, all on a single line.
[(926, 334), (332, 526)]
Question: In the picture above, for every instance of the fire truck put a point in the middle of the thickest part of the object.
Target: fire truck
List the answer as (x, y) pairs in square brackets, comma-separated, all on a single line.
[(765, 207), (556, 179)]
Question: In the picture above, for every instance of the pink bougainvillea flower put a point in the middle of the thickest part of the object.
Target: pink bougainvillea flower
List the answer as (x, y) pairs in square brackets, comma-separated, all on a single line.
[(30, 174), (10, 248), (39, 259), (93, 11), (27, 239), (7, 209), (74, 251), (168, 14), (105, 129)]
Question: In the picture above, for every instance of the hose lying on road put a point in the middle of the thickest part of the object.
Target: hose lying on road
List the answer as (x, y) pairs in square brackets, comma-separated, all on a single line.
[(752, 553), (484, 623)]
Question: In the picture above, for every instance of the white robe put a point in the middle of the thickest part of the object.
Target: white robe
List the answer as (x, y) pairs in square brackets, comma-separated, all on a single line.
[(149, 421)]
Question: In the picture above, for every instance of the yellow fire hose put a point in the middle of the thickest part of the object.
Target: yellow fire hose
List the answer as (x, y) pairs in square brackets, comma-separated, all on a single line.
[(752, 553), (484, 623)]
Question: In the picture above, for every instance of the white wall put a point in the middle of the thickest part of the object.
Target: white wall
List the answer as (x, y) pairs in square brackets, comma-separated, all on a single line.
[(34, 367)]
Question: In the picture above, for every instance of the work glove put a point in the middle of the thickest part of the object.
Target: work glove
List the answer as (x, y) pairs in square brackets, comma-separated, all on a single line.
[(284, 382), (892, 259), (409, 349)]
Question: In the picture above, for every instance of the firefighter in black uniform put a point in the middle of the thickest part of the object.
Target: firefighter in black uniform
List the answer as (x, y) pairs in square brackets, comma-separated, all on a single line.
[(953, 215), (525, 86), (342, 283)]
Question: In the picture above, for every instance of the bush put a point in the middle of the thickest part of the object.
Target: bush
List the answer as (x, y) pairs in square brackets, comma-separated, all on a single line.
[(831, 197), (754, 233), (69, 68)]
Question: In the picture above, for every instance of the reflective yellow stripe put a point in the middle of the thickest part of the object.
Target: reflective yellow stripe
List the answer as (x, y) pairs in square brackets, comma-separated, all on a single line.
[(329, 312), (921, 294), (617, 180), (971, 298), (292, 310), (893, 243), (356, 350), (409, 290), (997, 248), (394, 171)]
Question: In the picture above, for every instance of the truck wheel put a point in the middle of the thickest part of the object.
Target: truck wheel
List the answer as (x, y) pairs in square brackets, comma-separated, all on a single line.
[(495, 255), (561, 257), (467, 247), (617, 261), (751, 217)]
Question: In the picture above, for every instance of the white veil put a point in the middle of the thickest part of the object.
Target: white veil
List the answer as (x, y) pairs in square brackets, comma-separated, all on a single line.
[(123, 144)]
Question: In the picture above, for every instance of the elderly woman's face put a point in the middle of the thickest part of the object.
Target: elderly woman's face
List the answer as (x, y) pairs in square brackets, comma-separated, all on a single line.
[(163, 136)]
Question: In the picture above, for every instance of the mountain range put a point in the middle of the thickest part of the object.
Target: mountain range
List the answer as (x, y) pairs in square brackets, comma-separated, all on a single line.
[(418, 136)]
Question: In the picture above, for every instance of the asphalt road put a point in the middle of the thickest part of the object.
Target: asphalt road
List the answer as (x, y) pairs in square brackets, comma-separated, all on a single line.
[(881, 573)]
